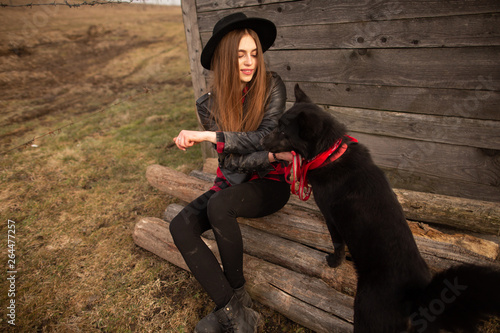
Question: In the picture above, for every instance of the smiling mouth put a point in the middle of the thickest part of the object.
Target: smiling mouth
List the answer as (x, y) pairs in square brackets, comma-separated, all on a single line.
[(247, 71)]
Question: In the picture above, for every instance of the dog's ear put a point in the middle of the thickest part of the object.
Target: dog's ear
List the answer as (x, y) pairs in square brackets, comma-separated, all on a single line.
[(300, 95)]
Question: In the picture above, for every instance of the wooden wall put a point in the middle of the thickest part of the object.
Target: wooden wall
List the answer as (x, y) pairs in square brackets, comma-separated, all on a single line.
[(418, 82)]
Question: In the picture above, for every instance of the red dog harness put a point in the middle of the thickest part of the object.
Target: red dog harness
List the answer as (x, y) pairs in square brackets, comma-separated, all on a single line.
[(296, 172)]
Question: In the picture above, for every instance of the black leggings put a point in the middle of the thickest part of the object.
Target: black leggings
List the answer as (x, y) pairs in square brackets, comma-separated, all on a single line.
[(218, 211)]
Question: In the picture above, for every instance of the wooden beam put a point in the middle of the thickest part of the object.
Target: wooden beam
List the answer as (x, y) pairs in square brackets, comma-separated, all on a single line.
[(428, 128), (193, 40), (418, 67), (282, 273), (306, 300), (482, 29), (291, 254), (309, 229), (291, 13), (481, 103), (210, 5), (430, 167), (303, 299), (475, 215), (198, 74), (275, 239), (459, 213)]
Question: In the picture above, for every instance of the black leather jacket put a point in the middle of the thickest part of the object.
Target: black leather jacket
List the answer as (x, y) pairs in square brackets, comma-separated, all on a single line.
[(243, 154)]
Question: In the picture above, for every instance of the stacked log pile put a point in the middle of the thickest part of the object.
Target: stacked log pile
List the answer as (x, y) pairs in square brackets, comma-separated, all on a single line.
[(284, 261)]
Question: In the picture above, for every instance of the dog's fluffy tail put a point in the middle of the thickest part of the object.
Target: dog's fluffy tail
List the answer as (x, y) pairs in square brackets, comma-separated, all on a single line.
[(458, 298)]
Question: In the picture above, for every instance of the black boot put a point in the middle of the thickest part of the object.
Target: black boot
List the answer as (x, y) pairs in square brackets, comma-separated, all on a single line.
[(210, 324), (235, 318), (243, 297)]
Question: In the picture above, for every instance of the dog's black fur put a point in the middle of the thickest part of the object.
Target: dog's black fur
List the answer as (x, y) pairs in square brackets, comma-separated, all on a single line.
[(395, 291)]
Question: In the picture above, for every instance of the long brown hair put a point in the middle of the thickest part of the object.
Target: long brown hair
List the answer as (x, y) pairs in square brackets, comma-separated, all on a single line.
[(228, 110)]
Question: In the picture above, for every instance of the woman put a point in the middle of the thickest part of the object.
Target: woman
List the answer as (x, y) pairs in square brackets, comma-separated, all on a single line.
[(244, 105)]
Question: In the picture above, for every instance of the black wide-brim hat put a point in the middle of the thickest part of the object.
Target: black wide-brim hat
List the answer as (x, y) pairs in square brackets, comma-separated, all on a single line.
[(265, 29)]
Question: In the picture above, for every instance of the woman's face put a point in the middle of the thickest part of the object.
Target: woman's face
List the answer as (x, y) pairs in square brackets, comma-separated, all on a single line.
[(247, 58)]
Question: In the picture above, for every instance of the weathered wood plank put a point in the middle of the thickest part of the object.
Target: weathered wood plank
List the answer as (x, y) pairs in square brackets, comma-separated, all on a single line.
[(275, 248), (482, 30), (434, 184), (198, 74), (303, 300), (480, 103), (367, 70), (486, 248), (194, 46), (269, 283), (458, 213), (210, 5), (466, 214), (276, 245), (432, 208), (435, 167), (297, 296), (309, 229), (312, 12), (420, 67), (438, 255), (428, 128), (153, 235)]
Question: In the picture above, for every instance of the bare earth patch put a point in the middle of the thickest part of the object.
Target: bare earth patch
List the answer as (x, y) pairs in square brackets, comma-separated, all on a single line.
[(116, 79)]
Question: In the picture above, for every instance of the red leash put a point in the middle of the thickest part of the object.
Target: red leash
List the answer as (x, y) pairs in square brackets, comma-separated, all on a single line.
[(296, 172)]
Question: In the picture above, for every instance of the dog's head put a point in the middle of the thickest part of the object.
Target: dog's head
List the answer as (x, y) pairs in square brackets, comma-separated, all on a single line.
[(305, 128)]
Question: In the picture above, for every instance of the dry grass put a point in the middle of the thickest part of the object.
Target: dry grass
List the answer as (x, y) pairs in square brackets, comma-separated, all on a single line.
[(76, 197)]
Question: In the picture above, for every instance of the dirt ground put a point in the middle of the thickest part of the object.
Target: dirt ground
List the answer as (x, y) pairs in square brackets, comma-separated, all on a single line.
[(57, 59), (102, 89)]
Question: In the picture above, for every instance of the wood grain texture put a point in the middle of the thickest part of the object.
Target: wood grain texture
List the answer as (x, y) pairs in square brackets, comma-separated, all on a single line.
[(421, 71), (306, 300), (194, 46), (482, 29), (284, 260), (277, 248), (451, 170), (418, 67), (210, 5), (466, 214), (303, 298), (313, 12), (428, 128), (480, 103), (303, 223)]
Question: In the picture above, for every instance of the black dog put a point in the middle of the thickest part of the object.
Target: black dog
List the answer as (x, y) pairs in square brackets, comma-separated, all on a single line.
[(395, 291)]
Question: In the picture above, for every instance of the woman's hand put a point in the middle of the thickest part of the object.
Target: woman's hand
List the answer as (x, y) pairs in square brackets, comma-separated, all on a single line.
[(284, 156), (187, 139)]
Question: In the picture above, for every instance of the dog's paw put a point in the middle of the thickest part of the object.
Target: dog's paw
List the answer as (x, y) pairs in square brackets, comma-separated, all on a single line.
[(334, 259)]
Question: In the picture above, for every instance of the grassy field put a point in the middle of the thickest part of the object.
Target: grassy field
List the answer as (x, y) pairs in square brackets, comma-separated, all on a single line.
[(103, 90)]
